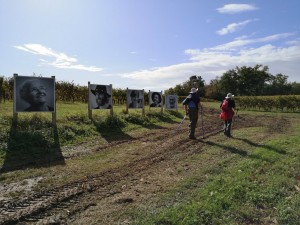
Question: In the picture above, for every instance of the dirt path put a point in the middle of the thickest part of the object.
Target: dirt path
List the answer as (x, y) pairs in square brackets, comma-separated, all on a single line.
[(102, 197)]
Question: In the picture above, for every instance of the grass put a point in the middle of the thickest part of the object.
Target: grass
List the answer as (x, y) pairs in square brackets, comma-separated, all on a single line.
[(259, 187), (253, 178), (34, 139)]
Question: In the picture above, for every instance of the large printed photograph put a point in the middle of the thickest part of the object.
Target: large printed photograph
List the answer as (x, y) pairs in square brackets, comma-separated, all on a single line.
[(100, 96), (34, 94), (171, 101), (155, 99), (135, 99)]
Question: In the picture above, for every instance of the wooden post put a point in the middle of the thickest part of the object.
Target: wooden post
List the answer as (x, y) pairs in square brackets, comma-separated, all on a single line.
[(126, 100), (54, 113), (15, 114), (162, 103), (90, 114), (112, 101), (143, 110), (149, 97), (176, 103)]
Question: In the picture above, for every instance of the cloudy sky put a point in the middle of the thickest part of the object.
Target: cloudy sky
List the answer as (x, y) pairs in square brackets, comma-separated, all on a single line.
[(147, 44)]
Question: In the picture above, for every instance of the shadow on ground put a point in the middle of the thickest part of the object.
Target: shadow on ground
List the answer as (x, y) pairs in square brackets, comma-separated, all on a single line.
[(31, 148)]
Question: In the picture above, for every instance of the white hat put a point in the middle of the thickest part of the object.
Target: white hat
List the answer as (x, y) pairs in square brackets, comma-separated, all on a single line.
[(229, 95), (193, 90)]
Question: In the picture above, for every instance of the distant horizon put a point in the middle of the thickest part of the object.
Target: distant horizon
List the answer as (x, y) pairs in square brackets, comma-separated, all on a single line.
[(151, 44), (91, 82)]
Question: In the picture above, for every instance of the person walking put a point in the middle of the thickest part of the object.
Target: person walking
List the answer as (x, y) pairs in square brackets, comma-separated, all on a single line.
[(191, 106), (227, 113)]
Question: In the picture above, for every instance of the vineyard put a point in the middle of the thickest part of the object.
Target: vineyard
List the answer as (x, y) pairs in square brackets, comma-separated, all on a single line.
[(285, 103)]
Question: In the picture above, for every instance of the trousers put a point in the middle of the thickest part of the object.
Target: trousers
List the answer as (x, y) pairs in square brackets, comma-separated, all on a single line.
[(227, 127), (193, 116)]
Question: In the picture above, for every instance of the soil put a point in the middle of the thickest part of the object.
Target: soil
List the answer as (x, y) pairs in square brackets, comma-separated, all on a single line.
[(103, 197)]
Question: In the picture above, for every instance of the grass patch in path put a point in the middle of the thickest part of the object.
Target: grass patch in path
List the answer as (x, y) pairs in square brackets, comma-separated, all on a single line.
[(261, 187)]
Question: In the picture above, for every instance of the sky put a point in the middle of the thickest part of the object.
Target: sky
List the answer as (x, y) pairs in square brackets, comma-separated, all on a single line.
[(147, 44)]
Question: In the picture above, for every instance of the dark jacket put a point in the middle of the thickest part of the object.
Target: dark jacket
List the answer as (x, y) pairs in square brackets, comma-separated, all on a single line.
[(192, 100)]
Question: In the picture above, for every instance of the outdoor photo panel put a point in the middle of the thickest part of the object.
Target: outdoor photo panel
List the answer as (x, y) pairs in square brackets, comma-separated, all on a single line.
[(34, 94), (135, 99), (100, 96), (171, 102), (155, 99)]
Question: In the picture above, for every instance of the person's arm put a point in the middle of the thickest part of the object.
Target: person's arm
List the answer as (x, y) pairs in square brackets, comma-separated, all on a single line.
[(186, 109)]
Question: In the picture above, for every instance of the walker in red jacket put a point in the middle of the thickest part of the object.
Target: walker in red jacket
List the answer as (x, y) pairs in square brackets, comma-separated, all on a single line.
[(227, 113)]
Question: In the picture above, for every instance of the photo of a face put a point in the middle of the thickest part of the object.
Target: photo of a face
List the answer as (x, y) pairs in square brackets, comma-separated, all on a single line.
[(34, 94), (135, 98), (155, 99), (171, 102), (100, 96)]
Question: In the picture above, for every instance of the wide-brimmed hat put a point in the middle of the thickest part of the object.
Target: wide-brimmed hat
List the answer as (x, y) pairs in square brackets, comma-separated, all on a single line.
[(100, 89), (193, 90), (229, 95)]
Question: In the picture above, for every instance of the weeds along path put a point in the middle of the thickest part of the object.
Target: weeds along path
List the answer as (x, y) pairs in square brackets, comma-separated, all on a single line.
[(150, 170)]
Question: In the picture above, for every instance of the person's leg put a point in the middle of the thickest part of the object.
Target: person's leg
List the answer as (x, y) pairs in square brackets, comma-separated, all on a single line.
[(225, 127), (229, 122), (193, 123)]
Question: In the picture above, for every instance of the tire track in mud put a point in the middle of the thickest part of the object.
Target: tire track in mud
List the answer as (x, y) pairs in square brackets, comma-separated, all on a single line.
[(44, 205), (33, 206)]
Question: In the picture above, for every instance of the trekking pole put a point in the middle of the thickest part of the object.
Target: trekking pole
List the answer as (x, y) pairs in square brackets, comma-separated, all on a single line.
[(233, 119), (202, 127), (180, 124)]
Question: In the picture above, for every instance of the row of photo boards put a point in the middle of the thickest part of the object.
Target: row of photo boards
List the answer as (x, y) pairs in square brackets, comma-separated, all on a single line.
[(37, 94)]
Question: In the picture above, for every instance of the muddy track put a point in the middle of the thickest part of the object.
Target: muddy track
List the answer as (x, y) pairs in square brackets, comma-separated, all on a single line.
[(164, 144)]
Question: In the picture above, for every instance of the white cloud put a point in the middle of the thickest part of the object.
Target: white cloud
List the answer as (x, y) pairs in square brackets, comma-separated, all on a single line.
[(214, 61), (61, 60), (243, 42), (233, 27), (236, 8)]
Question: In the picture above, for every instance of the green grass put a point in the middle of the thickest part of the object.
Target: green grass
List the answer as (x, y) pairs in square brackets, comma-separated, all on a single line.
[(249, 179), (259, 187), (34, 139)]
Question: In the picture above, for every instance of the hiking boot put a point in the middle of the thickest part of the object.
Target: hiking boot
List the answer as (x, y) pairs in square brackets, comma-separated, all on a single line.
[(192, 137)]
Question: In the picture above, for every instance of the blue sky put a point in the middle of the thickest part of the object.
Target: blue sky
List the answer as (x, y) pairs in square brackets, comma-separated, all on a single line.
[(147, 44)]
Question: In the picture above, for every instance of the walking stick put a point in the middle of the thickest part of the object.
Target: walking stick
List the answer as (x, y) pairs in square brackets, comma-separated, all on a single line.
[(202, 127), (233, 120), (180, 124)]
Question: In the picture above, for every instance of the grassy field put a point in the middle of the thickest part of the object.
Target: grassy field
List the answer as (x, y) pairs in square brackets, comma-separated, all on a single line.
[(259, 185), (34, 137), (253, 178)]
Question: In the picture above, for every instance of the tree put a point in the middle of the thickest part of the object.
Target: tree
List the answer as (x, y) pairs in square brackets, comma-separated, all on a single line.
[(229, 82), (295, 88), (213, 90), (252, 80), (278, 85)]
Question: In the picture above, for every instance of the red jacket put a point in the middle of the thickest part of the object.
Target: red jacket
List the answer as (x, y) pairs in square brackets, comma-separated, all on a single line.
[(227, 112)]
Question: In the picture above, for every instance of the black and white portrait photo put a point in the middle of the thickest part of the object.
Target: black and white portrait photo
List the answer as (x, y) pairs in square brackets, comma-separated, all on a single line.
[(155, 99), (171, 101), (34, 94), (100, 96), (135, 98)]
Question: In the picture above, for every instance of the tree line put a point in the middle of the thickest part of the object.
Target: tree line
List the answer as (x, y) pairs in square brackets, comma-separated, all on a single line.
[(241, 81)]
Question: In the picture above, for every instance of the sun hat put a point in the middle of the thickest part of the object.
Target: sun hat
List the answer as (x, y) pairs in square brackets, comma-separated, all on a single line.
[(193, 90), (100, 89), (229, 95)]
